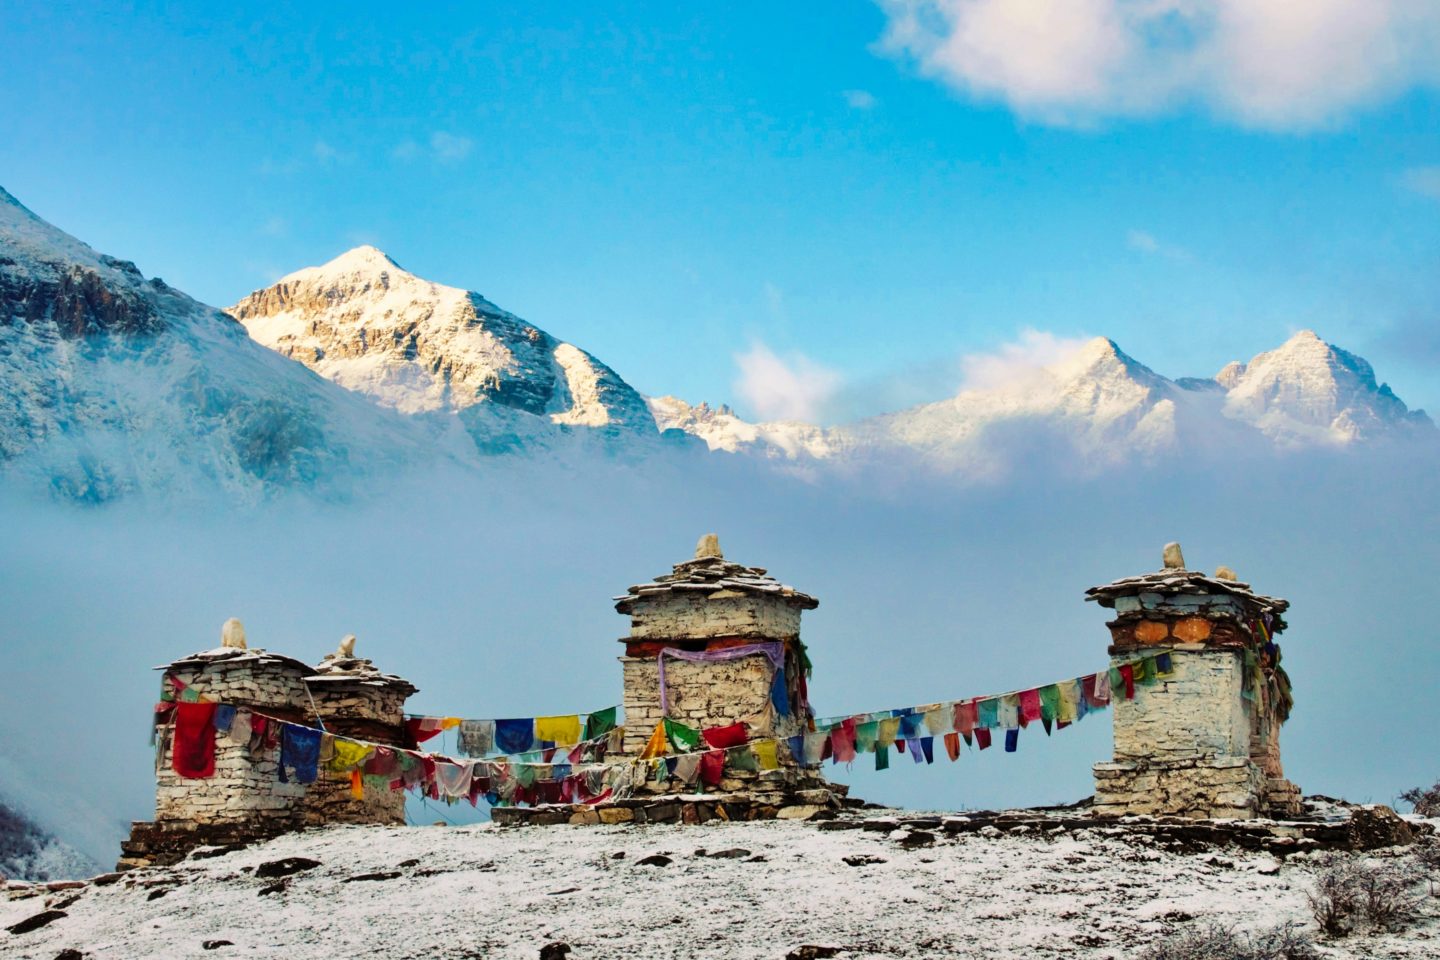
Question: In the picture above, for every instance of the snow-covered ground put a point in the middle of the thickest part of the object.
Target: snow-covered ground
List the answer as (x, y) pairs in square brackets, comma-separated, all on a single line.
[(495, 892)]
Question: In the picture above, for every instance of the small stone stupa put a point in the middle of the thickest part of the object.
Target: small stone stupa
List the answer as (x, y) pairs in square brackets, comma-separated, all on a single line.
[(1204, 741), (696, 616), (244, 799), (354, 699)]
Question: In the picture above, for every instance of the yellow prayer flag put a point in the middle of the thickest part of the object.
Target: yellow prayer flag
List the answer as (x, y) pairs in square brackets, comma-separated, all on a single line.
[(562, 731), (449, 723), (347, 755), (765, 753), (657, 745), (889, 730)]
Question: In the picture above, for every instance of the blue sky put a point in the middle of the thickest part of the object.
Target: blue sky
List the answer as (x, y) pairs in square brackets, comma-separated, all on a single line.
[(869, 191)]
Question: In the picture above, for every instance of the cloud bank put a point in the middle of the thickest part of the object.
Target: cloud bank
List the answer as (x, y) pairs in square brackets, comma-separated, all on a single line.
[(789, 388), (1273, 64)]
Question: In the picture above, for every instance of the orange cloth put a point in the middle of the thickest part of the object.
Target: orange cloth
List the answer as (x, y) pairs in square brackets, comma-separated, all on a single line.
[(657, 745)]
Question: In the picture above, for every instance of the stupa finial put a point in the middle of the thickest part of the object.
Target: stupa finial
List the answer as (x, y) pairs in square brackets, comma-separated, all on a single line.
[(232, 634), (1174, 559), (709, 546)]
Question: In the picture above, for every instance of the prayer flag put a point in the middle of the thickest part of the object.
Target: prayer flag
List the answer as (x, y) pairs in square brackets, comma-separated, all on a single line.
[(982, 738), (712, 767), (192, 752), (882, 757), (728, 736), (1030, 709), (564, 731), (1049, 702), (657, 745), (966, 717), (682, 738), (600, 723), (477, 737), (515, 735), (937, 721), (889, 732), (1012, 739), (952, 746), (989, 713), (766, 754), (865, 736)]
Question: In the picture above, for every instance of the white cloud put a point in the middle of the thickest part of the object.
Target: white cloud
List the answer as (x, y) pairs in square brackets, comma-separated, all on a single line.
[(406, 150), (1422, 180), (793, 388), (1018, 362), (1280, 64), (1147, 243), (860, 99), (449, 147)]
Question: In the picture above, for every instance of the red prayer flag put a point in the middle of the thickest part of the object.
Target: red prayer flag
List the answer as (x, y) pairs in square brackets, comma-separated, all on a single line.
[(1127, 673), (192, 753), (722, 737), (1029, 706), (712, 767), (982, 738), (422, 728), (967, 716)]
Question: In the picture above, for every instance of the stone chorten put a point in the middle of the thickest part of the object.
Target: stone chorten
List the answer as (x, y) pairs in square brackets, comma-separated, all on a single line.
[(244, 799), (706, 605), (1204, 741), (354, 699)]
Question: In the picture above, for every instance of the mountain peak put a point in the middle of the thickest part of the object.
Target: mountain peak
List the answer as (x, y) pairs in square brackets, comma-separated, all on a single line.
[(362, 259)]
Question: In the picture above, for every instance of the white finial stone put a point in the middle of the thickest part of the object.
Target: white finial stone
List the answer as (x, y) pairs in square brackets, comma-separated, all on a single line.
[(1174, 559), (232, 634), (347, 647), (709, 546), (1223, 572)]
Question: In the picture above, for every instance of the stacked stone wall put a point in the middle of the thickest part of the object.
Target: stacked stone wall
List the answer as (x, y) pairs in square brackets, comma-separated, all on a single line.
[(367, 712), (1211, 788), (700, 695), (245, 786), (720, 614)]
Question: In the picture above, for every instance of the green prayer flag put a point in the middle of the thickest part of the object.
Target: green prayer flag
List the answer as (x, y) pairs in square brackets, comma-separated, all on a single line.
[(1117, 684), (601, 723), (882, 756), (1049, 703), (865, 736), (681, 737)]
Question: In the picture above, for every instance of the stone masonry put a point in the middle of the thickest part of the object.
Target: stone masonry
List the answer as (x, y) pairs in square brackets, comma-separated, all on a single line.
[(244, 800), (711, 604), (1202, 742)]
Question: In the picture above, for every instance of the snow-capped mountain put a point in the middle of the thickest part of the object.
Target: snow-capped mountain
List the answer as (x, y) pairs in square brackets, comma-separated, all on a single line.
[(1097, 403), (416, 346), (113, 384), (1307, 391), (722, 430), (1094, 407)]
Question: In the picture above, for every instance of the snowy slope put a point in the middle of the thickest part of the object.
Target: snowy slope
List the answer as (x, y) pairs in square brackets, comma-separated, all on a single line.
[(505, 893), (417, 346), (111, 384), (1309, 392), (29, 852)]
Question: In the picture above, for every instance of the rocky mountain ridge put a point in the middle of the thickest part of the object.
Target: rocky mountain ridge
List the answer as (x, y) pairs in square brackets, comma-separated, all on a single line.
[(371, 326)]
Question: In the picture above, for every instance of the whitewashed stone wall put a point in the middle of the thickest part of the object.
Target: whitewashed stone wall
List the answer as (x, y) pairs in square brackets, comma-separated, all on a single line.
[(1199, 712), (723, 613), (1214, 788)]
